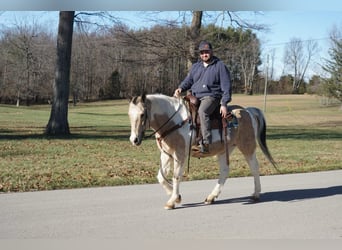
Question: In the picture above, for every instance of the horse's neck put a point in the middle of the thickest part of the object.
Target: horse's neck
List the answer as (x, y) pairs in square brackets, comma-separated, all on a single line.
[(162, 109)]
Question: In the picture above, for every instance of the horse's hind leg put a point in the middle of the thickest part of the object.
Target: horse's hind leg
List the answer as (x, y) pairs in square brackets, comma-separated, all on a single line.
[(254, 166), (224, 171)]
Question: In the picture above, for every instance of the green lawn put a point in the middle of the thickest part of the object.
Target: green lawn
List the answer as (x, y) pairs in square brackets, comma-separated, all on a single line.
[(302, 136)]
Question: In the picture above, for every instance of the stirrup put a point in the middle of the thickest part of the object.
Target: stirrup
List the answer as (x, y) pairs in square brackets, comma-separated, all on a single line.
[(202, 148)]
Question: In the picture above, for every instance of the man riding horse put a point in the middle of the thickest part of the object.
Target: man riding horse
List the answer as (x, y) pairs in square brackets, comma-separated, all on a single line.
[(209, 81)]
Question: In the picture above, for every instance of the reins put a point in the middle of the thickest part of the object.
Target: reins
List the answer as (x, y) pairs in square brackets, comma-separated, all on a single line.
[(165, 123)]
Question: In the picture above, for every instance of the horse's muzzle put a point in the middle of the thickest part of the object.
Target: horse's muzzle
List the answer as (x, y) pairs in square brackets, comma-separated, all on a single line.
[(135, 140)]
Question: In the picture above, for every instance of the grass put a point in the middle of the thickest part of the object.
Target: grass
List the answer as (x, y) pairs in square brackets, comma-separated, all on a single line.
[(302, 136)]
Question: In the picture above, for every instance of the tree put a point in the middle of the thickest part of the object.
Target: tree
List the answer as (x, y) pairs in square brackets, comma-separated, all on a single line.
[(249, 59), (25, 63), (194, 34), (332, 86), (58, 122), (113, 61), (113, 88), (298, 55)]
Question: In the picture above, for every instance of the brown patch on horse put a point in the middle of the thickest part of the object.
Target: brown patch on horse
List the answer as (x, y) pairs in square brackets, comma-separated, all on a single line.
[(174, 141), (245, 138), (215, 148)]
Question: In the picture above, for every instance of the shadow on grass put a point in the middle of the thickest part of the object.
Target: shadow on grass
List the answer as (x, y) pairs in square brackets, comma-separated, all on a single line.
[(275, 133), (64, 137), (101, 115), (282, 196), (123, 133), (86, 132)]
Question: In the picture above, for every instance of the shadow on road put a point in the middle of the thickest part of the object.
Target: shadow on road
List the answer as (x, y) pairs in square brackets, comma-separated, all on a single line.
[(284, 196), (301, 194)]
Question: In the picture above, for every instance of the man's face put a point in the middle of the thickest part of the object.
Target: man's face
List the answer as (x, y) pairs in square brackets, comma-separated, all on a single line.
[(206, 55)]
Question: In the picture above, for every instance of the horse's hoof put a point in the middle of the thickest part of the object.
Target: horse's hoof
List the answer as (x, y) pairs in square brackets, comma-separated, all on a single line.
[(209, 201), (179, 199), (255, 198), (169, 207)]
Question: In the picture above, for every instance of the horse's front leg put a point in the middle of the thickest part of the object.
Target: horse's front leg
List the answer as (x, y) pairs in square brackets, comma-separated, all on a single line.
[(165, 165), (224, 172), (176, 179)]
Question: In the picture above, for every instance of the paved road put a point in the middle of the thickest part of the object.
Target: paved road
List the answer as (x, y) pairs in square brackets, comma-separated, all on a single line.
[(300, 206)]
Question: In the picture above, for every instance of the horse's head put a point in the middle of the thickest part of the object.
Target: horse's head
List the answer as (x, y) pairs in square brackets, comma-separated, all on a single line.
[(137, 113)]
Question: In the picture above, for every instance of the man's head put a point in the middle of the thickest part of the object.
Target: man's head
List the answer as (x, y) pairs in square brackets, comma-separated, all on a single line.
[(206, 51)]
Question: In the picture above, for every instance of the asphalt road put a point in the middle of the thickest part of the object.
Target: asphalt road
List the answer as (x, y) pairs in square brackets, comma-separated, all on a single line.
[(297, 206)]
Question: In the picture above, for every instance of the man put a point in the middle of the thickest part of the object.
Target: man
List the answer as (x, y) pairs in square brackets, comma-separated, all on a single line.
[(209, 81)]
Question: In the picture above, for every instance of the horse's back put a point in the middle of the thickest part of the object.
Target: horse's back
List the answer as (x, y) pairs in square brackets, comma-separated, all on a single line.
[(232, 107)]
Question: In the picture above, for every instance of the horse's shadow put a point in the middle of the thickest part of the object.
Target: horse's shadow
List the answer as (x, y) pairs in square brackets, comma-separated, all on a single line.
[(282, 196)]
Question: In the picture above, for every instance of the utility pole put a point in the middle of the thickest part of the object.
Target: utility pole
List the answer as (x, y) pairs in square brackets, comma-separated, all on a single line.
[(266, 79)]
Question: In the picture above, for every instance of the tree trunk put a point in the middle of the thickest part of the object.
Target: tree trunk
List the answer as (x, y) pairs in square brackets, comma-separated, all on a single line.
[(194, 34), (58, 122)]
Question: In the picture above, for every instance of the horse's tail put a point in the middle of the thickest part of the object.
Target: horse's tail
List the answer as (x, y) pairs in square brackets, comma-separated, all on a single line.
[(261, 133)]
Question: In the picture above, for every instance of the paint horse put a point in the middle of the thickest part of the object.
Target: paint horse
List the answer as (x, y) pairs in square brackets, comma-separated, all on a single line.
[(170, 119)]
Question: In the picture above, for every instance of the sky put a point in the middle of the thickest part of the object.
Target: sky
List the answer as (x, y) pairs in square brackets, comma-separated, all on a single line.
[(305, 25), (283, 26)]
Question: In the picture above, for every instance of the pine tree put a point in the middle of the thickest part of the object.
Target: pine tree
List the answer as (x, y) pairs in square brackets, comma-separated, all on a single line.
[(332, 86)]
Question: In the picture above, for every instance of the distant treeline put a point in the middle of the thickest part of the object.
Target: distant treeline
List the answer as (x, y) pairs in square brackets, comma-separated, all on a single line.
[(112, 63)]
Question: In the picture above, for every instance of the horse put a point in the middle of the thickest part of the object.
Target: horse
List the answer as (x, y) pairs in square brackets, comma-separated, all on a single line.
[(170, 120)]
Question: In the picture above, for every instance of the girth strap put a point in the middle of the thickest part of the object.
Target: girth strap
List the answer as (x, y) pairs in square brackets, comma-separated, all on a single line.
[(170, 130), (225, 129)]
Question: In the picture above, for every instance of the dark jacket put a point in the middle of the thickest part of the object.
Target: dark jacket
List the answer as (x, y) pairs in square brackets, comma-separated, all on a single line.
[(213, 80)]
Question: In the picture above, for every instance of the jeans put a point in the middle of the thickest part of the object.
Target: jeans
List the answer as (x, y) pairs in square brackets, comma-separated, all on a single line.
[(206, 108)]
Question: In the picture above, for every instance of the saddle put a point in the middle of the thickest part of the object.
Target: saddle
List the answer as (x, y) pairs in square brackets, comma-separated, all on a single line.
[(216, 120)]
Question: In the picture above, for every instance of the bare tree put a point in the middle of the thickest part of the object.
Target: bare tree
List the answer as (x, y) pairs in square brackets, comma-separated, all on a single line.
[(58, 122), (194, 34), (249, 59), (25, 56), (112, 61), (298, 56), (272, 59)]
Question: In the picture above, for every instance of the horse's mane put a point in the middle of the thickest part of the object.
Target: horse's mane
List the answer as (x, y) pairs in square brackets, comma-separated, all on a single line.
[(171, 99), (159, 95), (167, 104)]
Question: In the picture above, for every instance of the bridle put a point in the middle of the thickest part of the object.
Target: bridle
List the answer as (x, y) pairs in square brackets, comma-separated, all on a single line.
[(168, 131)]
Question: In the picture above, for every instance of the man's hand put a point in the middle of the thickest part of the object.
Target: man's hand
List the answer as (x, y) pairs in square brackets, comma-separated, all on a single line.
[(225, 114), (177, 92), (223, 111)]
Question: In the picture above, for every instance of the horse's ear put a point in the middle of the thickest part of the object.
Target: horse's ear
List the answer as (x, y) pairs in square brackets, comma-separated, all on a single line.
[(143, 96), (129, 98), (134, 99)]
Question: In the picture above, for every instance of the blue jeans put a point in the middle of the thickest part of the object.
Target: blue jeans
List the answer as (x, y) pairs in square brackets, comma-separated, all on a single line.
[(206, 108)]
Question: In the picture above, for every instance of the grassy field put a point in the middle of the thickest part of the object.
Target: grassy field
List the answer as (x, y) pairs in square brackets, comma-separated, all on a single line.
[(302, 136)]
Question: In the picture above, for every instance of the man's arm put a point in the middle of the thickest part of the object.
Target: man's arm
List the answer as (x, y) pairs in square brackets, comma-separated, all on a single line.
[(225, 85)]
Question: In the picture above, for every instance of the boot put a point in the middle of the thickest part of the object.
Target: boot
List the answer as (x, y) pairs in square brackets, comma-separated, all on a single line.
[(202, 148)]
